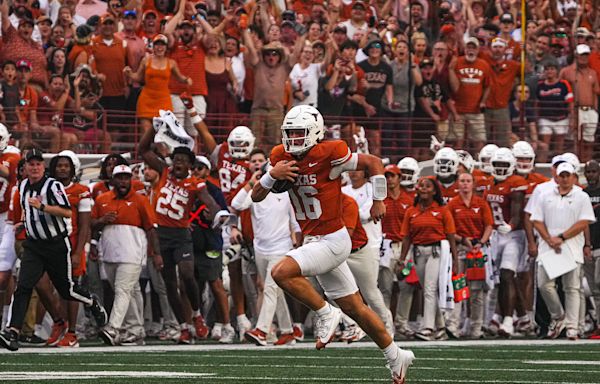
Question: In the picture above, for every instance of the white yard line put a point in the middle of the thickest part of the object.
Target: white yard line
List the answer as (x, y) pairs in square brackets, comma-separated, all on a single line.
[(70, 375), (563, 362), (310, 346)]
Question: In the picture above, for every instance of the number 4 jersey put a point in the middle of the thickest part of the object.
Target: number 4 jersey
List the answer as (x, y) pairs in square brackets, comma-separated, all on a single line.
[(173, 199), (499, 197), (317, 199)]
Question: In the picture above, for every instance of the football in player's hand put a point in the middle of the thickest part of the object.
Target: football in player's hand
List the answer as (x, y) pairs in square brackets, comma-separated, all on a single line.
[(281, 186)]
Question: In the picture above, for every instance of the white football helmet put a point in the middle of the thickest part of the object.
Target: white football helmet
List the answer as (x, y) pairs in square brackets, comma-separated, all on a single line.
[(503, 163), (241, 142), (410, 171), (4, 137), (12, 149), (74, 159), (466, 160), (572, 159), (445, 162), (525, 156), (302, 129), (485, 155)]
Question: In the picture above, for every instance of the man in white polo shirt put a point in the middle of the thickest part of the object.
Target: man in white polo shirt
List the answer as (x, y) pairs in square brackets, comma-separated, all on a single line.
[(560, 215)]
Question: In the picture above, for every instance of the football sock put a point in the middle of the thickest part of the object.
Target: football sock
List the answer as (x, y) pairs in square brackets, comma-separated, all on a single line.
[(391, 352), (324, 311)]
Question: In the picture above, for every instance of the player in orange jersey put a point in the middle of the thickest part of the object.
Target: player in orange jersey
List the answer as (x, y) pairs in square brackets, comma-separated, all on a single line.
[(313, 168), (506, 196), (175, 194), (232, 160), (483, 175), (64, 167), (525, 156)]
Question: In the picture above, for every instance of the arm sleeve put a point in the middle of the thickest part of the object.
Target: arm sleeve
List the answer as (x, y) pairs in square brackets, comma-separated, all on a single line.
[(242, 200)]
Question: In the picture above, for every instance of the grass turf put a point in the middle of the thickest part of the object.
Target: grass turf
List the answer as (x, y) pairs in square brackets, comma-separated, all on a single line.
[(547, 364)]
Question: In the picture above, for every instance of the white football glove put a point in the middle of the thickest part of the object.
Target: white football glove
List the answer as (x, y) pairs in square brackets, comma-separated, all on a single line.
[(362, 144), (435, 145), (504, 228)]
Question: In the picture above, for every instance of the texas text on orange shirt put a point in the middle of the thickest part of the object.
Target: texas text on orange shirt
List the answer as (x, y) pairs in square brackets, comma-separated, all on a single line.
[(174, 199), (233, 173), (352, 222), (470, 221), (317, 200), (474, 78), (499, 196), (395, 209), (11, 161), (428, 226), (133, 209), (76, 194)]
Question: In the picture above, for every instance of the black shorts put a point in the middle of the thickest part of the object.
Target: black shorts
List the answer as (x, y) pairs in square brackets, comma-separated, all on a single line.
[(175, 245), (208, 265)]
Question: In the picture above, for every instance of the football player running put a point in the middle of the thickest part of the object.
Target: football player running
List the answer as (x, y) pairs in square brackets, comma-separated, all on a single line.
[(525, 156), (314, 167), (506, 195)]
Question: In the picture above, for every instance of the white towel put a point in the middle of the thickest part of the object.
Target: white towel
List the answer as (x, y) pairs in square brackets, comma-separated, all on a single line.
[(445, 288), (491, 277), (169, 131)]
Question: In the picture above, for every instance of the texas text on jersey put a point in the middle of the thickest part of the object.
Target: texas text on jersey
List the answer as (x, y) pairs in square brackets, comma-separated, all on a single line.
[(174, 199), (316, 198), (498, 196), (233, 173)]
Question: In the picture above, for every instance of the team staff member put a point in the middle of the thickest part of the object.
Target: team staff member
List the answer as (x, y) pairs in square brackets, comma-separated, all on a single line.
[(560, 215), (425, 225), (64, 167), (128, 226), (400, 196), (46, 215), (474, 223)]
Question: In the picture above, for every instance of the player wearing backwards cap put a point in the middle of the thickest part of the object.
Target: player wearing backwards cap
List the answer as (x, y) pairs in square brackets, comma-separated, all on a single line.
[(175, 194), (314, 167), (505, 196), (525, 156), (231, 159)]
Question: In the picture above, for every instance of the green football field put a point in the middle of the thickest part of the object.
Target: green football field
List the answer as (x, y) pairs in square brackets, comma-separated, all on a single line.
[(522, 361)]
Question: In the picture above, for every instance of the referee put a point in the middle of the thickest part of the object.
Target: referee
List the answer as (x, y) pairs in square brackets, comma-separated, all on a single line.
[(46, 217)]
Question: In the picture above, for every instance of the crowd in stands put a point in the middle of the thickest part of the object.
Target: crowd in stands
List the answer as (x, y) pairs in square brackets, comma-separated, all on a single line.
[(89, 76)]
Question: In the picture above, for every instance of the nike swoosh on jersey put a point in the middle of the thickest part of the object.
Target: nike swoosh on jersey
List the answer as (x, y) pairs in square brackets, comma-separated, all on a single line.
[(312, 164)]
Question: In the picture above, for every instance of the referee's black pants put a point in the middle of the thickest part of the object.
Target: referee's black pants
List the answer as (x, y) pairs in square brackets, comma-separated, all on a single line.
[(39, 256)]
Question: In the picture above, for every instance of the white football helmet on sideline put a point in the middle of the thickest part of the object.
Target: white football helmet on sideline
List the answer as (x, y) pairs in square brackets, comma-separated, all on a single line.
[(241, 142), (525, 156), (410, 171), (4, 137), (12, 149), (503, 163), (485, 155), (445, 162), (74, 159), (466, 160), (302, 129)]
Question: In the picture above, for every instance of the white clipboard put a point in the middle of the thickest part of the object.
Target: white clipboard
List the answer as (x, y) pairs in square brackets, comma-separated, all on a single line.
[(558, 264)]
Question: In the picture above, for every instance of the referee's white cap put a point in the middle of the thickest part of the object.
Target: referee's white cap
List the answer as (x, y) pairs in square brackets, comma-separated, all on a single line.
[(121, 169)]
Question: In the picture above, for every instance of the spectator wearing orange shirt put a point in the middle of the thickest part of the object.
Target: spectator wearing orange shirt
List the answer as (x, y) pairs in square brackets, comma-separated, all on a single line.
[(503, 74), (474, 223), (426, 224), (470, 83)]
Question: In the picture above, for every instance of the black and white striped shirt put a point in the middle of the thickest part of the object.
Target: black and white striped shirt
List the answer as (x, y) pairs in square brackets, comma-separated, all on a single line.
[(41, 225)]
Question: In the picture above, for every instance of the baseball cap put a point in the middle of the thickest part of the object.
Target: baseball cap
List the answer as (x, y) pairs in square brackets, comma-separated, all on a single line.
[(572, 159), (565, 167), (425, 62), (26, 20), (340, 28), (472, 40), (106, 17), (42, 19), (583, 49), (507, 18), (204, 161), (393, 168), (34, 154), (558, 159), (161, 38), (185, 22), (149, 12), (499, 42), (359, 3), (121, 169), (582, 31), (24, 63)]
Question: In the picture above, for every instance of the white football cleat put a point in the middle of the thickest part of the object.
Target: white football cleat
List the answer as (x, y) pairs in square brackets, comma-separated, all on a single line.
[(399, 367), (326, 325)]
